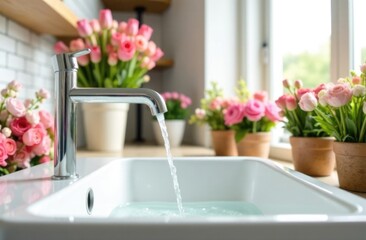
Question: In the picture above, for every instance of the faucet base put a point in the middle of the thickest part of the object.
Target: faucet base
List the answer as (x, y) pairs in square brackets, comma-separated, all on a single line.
[(72, 177)]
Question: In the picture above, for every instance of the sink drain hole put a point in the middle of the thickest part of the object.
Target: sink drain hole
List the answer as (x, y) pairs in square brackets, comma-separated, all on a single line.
[(89, 201)]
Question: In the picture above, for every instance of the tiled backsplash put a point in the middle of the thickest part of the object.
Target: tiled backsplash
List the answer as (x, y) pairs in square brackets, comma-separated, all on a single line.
[(25, 56)]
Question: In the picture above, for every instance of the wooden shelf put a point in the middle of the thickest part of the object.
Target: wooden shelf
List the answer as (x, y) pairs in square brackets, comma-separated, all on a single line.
[(153, 6), (164, 63), (41, 16)]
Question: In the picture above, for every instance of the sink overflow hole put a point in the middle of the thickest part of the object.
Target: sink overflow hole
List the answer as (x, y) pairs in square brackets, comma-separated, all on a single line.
[(89, 201)]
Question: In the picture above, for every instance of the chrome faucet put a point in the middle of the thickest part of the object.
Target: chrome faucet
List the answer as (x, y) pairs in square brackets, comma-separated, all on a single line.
[(67, 95)]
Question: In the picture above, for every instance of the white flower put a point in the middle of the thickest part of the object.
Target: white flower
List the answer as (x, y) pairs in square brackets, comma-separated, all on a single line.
[(6, 131), (322, 95), (358, 90)]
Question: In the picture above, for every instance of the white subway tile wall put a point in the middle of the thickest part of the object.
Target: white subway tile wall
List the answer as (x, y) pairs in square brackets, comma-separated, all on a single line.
[(25, 57)]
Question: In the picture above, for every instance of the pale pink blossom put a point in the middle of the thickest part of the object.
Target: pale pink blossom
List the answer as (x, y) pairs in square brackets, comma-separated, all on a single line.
[(15, 107), (272, 112), (43, 93), (356, 80), (77, 44), (15, 85), (44, 159), (175, 95), (145, 31), (83, 60), (322, 97), (151, 49), (94, 23), (84, 28), (122, 27), (46, 119), (200, 113), (105, 18), (22, 158), (339, 95), (118, 38), (363, 68), (215, 103), (281, 102), (254, 110), (126, 50), (132, 27), (319, 88), (60, 47), (291, 103), (298, 84), (285, 83), (301, 92), (112, 59), (234, 114), (33, 136), (43, 147), (157, 55), (151, 64), (32, 117), (308, 102), (145, 62), (141, 43)]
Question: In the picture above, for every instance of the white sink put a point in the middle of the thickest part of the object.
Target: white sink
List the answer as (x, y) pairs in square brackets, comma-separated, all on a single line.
[(290, 205)]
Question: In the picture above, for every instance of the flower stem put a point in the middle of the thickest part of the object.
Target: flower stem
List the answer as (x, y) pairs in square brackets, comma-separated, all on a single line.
[(362, 132)]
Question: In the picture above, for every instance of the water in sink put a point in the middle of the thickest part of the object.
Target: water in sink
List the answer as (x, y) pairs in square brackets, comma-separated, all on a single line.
[(173, 169), (191, 209)]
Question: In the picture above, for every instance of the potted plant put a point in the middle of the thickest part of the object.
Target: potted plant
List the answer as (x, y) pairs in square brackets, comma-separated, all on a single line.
[(252, 118), (27, 132), (211, 112), (340, 110), (311, 146), (175, 118), (121, 55)]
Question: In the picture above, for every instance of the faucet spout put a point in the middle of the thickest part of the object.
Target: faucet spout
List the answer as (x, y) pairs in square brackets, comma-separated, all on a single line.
[(67, 95)]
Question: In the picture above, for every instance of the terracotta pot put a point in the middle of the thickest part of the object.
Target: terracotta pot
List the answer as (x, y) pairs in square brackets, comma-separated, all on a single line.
[(313, 156), (255, 144), (224, 143), (351, 165)]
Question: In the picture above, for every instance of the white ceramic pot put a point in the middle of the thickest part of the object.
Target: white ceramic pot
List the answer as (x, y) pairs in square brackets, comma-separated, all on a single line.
[(105, 125), (175, 131)]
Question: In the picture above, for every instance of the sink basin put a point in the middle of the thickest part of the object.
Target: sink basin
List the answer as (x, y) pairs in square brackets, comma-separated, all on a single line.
[(287, 204)]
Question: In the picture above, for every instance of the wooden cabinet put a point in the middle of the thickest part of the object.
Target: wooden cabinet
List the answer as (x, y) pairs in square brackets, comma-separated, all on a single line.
[(153, 6)]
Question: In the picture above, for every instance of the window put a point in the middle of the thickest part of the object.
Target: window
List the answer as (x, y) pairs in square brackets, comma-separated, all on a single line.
[(359, 33)]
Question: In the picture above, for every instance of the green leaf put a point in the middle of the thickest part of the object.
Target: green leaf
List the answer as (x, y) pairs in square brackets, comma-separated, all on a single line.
[(240, 134), (351, 128)]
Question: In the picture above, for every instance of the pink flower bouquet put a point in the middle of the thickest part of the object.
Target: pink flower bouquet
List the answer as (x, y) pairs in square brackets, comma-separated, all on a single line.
[(251, 114), (26, 137), (121, 53), (177, 105), (298, 122), (212, 109), (340, 109)]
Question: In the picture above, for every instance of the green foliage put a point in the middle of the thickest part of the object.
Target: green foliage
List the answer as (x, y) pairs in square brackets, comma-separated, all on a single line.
[(175, 111)]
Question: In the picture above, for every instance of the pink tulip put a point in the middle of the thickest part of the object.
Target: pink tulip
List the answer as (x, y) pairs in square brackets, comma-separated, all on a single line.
[(272, 112), (132, 27), (308, 102), (126, 50), (95, 54), (151, 49), (83, 60), (15, 85), (285, 83), (234, 114), (291, 103), (141, 43), (298, 84), (77, 44), (145, 62), (105, 18), (84, 28), (318, 89), (60, 47), (157, 55), (122, 27), (151, 65), (254, 110), (261, 96), (356, 80), (339, 95), (95, 25), (145, 31), (112, 59), (301, 92), (117, 38)]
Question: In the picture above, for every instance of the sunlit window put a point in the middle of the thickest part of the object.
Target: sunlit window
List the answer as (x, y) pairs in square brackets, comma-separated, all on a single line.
[(359, 20), (303, 30)]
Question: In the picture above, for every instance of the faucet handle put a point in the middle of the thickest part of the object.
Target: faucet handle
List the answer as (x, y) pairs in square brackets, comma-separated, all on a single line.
[(67, 61), (80, 53)]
